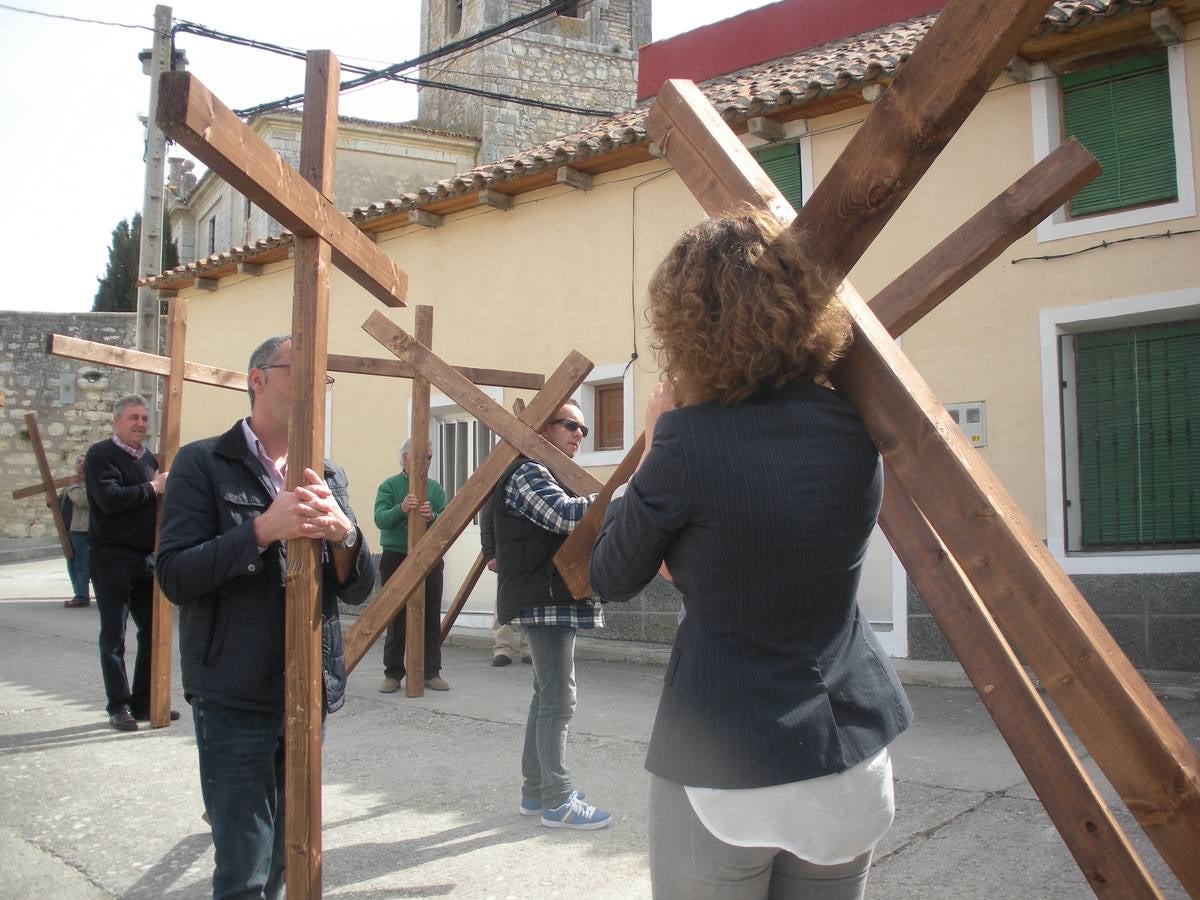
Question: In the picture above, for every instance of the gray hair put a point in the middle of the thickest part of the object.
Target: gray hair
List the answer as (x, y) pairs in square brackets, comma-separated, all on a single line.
[(128, 400), (264, 354), (406, 448)]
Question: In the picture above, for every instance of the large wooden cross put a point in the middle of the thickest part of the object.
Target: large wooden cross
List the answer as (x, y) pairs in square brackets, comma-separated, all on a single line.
[(945, 511)]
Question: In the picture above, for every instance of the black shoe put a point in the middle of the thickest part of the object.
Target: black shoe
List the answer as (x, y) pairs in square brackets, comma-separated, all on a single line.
[(77, 603), (528, 660), (140, 716), (122, 719), (501, 660)]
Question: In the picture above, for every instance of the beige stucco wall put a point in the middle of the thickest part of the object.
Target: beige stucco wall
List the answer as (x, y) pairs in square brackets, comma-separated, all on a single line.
[(567, 270)]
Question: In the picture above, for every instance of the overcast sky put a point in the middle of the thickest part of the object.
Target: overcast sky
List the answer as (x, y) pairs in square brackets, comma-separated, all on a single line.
[(71, 93)]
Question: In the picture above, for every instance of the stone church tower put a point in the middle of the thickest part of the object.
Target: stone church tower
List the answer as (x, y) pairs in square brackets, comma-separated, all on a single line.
[(585, 56)]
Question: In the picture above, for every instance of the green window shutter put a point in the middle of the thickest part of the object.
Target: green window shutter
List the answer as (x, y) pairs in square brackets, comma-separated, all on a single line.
[(1122, 114), (782, 165), (1138, 400)]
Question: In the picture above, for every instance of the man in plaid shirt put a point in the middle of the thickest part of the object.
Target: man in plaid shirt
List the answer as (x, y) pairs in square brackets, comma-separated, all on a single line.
[(533, 514)]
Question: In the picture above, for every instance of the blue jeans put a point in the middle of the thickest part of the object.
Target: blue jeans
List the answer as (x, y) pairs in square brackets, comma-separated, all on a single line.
[(241, 778), (544, 760), (79, 566)]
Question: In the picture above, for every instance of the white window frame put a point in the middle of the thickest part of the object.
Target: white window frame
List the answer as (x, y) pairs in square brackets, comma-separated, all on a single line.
[(1101, 316), (1046, 107), (443, 409), (795, 132), (585, 398)]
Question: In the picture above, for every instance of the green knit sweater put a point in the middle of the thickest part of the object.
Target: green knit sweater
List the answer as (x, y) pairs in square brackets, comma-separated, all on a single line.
[(391, 520)]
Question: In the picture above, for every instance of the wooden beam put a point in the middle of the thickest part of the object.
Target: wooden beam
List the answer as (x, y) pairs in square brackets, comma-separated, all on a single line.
[(418, 471), (495, 199), (765, 129), (39, 451), (459, 512), (1109, 706), (480, 405), (34, 489), (123, 358), (427, 219), (394, 368), (1167, 25), (581, 181), (460, 599), (202, 124), (162, 615), (306, 449), (1072, 800)]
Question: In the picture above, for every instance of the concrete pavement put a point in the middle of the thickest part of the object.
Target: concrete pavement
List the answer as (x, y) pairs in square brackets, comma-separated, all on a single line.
[(420, 795)]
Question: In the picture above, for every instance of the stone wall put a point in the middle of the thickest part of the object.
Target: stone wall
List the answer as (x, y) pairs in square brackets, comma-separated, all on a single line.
[(73, 402), (1153, 618)]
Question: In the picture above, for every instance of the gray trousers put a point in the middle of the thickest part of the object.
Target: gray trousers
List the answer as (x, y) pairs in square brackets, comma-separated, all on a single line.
[(688, 863)]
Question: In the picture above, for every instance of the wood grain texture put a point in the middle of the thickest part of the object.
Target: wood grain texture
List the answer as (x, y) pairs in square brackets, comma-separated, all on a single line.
[(137, 361), (306, 449), (480, 405), (418, 471), (190, 114), (394, 368), (459, 512), (163, 615), (47, 485), (33, 490)]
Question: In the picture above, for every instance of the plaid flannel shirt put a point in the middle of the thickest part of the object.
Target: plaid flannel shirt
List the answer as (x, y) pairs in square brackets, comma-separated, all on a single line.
[(533, 493)]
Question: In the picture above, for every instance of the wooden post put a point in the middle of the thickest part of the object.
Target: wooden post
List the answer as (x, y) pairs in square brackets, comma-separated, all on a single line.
[(137, 361), (418, 472), (32, 490), (306, 449), (163, 616), (35, 438)]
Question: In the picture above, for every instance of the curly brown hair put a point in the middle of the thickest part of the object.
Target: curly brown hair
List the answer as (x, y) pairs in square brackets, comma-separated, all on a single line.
[(739, 305)]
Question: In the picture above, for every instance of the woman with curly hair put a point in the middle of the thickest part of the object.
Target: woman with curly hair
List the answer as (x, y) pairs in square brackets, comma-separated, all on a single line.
[(770, 775)]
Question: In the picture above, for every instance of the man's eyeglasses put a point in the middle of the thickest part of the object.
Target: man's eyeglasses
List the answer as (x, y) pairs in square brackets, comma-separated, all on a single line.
[(328, 378), (571, 425)]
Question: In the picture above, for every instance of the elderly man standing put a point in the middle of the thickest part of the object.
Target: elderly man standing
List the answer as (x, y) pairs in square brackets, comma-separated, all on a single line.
[(123, 483), (533, 514), (393, 502), (226, 521)]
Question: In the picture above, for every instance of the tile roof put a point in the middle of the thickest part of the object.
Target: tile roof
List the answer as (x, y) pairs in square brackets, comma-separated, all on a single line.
[(841, 65)]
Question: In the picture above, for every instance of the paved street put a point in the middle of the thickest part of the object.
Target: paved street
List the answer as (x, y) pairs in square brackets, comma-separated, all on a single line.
[(420, 795)]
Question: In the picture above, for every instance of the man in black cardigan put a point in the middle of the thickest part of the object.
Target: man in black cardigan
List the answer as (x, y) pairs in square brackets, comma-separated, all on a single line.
[(123, 484)]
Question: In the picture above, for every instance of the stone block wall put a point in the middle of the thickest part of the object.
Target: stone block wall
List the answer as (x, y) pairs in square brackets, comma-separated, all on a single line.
[(1155, 619), (73, 402)]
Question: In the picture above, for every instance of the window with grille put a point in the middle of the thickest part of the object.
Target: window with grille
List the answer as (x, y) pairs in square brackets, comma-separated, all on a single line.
[(1122, 114), (460, 445), (1137, 428), (781, 162)]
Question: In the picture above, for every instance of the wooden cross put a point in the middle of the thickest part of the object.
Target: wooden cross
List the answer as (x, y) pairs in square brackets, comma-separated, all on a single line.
[(49, 485)]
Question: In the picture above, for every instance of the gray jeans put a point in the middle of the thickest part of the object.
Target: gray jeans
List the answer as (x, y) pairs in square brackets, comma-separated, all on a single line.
[(544, 760), (688, 863)]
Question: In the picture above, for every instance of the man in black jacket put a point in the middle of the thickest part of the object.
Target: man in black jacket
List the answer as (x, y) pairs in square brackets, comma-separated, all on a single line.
[(226, 521), (123, 483)]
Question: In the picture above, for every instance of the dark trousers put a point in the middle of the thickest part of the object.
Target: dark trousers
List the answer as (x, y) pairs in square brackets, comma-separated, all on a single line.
[(241, 780), (79, 567), (124, 587), (393, 645)]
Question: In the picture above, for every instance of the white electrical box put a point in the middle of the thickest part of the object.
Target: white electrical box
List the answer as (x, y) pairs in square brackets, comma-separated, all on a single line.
[(971, 418)]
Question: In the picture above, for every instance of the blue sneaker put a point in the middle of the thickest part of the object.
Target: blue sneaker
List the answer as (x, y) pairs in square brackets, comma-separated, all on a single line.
[(577, 814), (530, 807)]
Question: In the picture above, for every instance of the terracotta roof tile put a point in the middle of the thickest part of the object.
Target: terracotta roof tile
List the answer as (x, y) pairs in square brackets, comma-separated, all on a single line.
[(844, 64)]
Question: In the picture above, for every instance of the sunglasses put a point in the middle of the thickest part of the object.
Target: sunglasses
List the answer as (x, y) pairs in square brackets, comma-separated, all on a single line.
[(571, 425)]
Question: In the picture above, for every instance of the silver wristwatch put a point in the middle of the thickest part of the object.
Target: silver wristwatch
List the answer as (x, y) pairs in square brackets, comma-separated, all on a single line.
[(348, 542)]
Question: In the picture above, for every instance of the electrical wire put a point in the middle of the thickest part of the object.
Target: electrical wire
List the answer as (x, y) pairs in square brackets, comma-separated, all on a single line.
[(46, 15), (1104, 245)]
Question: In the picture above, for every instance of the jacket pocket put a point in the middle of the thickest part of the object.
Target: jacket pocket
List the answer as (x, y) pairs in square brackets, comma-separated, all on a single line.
[(216, 632), (240, 501)]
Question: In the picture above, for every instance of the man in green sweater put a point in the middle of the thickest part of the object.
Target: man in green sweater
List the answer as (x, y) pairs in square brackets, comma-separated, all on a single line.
[(393, 503)]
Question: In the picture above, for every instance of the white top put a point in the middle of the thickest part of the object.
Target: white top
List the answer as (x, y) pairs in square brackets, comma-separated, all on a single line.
[(828, 820)]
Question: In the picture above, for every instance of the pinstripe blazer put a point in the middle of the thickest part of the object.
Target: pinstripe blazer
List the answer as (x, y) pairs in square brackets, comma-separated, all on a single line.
[(763, 512)]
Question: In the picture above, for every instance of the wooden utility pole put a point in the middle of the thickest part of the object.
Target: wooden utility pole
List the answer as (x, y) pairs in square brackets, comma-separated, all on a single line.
[(151, 249), (418, 485)]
